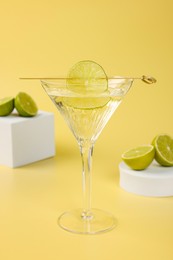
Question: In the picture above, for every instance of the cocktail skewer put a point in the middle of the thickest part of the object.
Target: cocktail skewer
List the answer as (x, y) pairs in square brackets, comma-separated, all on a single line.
[(146, 79)]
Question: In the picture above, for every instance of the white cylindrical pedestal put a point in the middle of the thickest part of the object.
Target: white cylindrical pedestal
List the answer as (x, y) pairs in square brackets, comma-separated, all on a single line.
[(155, 181)]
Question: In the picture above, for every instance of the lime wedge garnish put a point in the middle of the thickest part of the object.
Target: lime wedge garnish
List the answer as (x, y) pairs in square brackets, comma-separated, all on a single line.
[(25, 105), (140, 157), (6, 106), (164, 149), (87, 79)]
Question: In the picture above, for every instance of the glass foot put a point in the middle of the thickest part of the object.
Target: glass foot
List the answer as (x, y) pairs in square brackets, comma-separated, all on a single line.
[(76, 221)]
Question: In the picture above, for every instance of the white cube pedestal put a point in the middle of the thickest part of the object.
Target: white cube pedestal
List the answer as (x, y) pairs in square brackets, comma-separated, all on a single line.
[(155, 181), (26, 140)]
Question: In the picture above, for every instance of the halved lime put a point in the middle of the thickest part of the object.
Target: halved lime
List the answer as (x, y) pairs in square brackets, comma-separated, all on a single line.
[(6, 106), (25, 105), (139, 158), (88, 80), (164, 149)]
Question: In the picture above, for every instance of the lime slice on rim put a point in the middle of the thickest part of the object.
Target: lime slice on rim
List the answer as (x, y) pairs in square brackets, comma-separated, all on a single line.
[(88, 80), (6, 106), (87, 76), (164, 149), (25, 105), (139, 158)]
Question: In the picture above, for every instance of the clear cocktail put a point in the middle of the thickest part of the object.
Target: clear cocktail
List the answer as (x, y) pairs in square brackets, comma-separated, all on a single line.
[(86, 115)]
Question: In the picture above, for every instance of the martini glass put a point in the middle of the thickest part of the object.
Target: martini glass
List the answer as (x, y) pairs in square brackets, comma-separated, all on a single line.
[(86, 114)]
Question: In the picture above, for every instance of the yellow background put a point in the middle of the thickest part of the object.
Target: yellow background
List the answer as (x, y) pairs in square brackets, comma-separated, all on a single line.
[(45, 38)]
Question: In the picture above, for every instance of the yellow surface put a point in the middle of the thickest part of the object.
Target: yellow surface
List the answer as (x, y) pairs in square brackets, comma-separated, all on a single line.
[(45, 38)]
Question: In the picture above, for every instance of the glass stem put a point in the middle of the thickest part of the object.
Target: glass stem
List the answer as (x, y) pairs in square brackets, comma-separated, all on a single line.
[(86, 150)]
